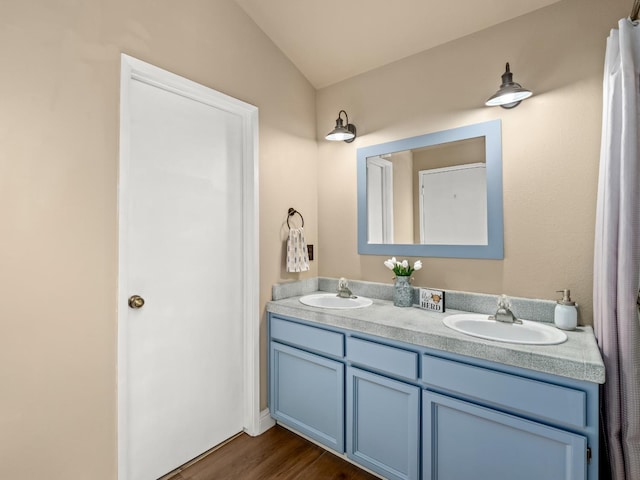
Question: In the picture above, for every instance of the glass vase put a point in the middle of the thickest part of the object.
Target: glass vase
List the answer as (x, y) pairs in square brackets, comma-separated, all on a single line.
[(403, 291)]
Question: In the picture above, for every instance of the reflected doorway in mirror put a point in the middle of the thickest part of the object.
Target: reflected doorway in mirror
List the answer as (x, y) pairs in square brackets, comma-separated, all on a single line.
[(453, 205)]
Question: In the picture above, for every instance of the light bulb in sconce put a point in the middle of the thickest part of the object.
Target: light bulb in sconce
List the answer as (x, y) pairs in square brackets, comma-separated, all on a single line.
[(342, 132), (510, 93)]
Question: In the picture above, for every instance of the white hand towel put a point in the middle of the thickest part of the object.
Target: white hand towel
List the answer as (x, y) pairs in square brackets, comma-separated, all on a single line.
[(297, 255)]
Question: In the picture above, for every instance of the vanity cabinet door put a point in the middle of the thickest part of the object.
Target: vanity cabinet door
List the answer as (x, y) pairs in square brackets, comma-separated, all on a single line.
[(462, 441), (307, 393), (383, 424)]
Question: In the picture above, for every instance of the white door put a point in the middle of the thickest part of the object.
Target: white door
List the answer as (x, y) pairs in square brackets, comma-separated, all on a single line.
[(182, 251), (453, 205)]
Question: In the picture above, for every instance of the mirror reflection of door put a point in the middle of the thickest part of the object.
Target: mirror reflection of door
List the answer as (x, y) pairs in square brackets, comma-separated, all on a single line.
[(453, 205), (380, 200)]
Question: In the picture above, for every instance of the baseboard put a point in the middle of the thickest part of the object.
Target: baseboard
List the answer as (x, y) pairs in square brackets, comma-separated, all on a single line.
[(266, 422)]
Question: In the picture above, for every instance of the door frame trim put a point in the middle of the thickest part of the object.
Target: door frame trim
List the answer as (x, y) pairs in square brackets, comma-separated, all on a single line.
[(386, 194), (134, 69)]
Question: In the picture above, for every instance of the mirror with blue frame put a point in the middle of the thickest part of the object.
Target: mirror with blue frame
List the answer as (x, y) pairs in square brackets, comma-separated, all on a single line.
[(433, 195)]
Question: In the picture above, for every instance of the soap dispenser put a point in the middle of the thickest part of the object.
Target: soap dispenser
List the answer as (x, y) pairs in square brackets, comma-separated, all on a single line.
[(566, 312)]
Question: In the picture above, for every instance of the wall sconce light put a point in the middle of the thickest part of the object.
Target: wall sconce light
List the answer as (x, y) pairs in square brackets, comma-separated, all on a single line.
[(341, 132), (510, 93)]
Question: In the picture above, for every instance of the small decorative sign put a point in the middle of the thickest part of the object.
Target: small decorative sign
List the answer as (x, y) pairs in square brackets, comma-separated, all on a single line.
[(432, 300)]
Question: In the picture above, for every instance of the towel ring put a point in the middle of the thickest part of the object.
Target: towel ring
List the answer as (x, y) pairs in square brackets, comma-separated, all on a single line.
[(292, 211)]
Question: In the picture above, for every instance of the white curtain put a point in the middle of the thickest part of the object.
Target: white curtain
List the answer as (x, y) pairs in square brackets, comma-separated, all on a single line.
[(617, 252)]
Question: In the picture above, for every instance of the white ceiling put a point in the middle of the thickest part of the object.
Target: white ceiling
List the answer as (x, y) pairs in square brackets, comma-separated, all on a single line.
[(332, 40)]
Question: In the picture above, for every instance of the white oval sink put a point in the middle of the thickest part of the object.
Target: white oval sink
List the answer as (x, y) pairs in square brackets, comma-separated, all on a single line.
[(331, 300), (529, 333)]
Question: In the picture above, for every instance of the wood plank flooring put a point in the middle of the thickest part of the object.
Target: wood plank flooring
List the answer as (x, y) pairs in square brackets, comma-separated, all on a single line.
[(276, 454)]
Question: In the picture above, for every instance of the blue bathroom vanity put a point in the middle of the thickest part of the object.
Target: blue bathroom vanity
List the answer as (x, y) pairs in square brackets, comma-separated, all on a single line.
[(407, 398)]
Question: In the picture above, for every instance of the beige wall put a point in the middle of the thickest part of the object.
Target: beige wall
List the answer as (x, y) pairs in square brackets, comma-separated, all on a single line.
[(550, 147), (59, 156)]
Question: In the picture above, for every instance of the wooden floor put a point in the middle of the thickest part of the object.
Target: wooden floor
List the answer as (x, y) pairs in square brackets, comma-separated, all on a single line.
[(277, 453)]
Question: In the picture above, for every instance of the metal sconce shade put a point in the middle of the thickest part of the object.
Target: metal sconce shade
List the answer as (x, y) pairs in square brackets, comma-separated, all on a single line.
[(510, 94), (341, 132)]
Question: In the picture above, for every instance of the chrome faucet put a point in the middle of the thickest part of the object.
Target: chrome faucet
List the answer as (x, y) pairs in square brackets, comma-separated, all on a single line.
[(343, 289), (504, 313)]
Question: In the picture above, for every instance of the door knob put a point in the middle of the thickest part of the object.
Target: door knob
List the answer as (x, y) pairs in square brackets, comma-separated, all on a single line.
[(136, 301)]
